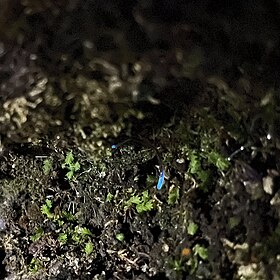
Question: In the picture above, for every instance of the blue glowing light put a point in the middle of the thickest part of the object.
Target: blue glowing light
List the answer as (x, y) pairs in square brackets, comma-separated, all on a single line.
[(160, 180)]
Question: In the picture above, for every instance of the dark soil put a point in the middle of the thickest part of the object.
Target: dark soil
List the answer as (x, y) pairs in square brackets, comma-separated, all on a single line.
[(100, 100)]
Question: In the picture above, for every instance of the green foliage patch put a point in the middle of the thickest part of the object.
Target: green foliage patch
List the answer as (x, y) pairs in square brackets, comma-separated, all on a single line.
[(47, 166), (143, 203), (70, 165)]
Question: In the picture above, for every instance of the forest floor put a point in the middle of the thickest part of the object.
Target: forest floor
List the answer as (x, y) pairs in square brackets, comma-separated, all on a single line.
[(128, 162)]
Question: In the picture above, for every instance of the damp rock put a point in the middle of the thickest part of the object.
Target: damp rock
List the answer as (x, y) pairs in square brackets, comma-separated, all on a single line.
[(252, 271), (268, 185)]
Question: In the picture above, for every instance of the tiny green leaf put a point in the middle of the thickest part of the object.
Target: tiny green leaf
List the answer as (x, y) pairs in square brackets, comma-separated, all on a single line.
[(218, 160), (76, 237), (201, 251), (84, 231), (145, 195), (192, 228), (194, 166), (70, 174), (35, 265), (69, 158), (47, 166), (38, 234), (173, 196), (68, 216), (49, 203), (144, 207), (177, 265), (109, 197), (76, 166), (143, 203), (45, 209), (135, 199), (60, 222), (89, 248), (120, 237), (150, 181), (70, 165)]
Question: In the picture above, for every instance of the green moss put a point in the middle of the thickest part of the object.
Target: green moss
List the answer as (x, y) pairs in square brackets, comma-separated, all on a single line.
[(205, 162)]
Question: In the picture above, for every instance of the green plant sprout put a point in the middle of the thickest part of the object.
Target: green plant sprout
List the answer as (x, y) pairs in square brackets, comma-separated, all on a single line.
[(195, 167), (200, 251), (89, 248), (173, 196), (46, 209), (84, 231), (219, 161), (68, 216), (201, 163), (190, 260), (79, 234), (109, 197), (150, 180), (63, 237), (143, 203), (38, 234), (192, 228), (47, 166), (72, 166), (177, 265), (120, 237), (70, 234), (234, 221), (35, 265)]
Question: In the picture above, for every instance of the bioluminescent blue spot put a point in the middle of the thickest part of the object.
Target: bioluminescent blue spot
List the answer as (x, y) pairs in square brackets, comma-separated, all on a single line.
[(160, 180), (114, 146)]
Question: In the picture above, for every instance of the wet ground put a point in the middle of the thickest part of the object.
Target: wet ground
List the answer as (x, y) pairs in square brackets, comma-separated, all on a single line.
[(139, 141)]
